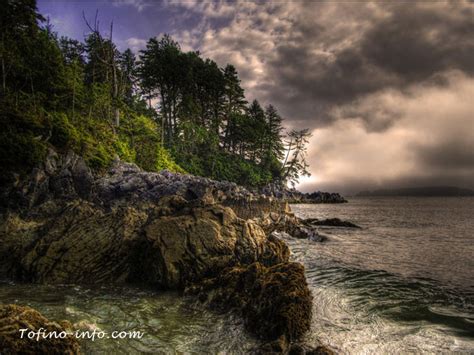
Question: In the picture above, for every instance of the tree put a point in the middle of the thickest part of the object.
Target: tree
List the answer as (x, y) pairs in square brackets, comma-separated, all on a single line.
[(295, 164), (273, 142), (160, 75), (102, 63), (18, 26), (89, 97), (128, 71), (234, 105), (72, 50), (256, 131)]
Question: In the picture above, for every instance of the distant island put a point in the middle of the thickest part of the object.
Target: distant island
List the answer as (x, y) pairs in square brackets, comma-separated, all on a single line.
[(425, 191)]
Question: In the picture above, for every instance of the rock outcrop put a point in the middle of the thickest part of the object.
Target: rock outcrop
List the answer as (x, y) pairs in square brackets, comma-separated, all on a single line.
[(273, 301), (288, 223), (67, 178), (168, 244), (13, 318), (331, 222), (66, 225), (295, 196)]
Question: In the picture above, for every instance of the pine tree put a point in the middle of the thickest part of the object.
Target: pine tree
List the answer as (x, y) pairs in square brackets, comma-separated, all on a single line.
[(234, 105)]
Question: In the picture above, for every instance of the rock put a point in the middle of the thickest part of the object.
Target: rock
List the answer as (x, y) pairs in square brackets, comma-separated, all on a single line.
[(303, 349), (294, 196), (291, 225), (170, 231), (274, 301), (332, 222), (13, 318), (67, 176), (168, 245), (184, 248)]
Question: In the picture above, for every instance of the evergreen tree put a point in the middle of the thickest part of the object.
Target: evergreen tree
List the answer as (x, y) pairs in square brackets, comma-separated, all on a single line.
[(89, 97), (273, 142), (234, 106), (128, 71), (161, 77), (257, 129)]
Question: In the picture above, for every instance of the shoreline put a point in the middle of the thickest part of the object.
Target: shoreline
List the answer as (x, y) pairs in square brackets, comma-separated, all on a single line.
[(69, 218)]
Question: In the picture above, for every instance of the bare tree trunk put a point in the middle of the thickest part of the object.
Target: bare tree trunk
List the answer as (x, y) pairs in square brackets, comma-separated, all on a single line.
[(114, 80), (288, 153), (74, 90), (4, 76), (162, 131), (33, 92)]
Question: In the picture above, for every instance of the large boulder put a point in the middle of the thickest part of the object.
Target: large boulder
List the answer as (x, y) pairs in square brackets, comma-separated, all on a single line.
[(56, 340)]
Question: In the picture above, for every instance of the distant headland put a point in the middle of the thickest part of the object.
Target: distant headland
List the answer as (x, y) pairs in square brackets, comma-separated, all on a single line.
[(426, 191)]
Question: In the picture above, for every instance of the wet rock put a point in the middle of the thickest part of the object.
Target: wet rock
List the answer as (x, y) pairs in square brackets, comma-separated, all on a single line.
[(13, 318), (331, 222), (274, 301), (186, 247), (291, 225)]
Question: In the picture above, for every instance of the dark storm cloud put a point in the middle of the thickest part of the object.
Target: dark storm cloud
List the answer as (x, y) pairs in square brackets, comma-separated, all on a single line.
[(410, 44), (447, 156), (309, 89), (416, 42)]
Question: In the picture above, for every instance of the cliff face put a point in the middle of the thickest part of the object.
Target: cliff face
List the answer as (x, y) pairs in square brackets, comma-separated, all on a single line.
[(63, 224)]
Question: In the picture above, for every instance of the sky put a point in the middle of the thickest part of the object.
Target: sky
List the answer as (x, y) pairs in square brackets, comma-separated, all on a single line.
[(386, 88)]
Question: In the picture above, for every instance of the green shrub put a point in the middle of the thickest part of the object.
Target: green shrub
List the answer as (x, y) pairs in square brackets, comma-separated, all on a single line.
[(63, 133)]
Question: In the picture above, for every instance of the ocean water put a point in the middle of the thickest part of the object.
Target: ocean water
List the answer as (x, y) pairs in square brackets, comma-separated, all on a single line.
[(404, 283), (170, 323)]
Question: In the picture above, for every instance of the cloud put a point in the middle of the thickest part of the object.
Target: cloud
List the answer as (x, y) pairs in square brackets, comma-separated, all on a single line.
[(136, 44), (307, 57), (140, 5), (431, 142), (210, 9), (386, 87)]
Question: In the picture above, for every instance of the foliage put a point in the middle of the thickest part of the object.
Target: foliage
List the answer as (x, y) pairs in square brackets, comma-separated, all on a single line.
[(91, 98)]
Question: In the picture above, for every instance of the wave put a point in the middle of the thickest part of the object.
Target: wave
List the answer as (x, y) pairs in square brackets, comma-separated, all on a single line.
[(360, 310)]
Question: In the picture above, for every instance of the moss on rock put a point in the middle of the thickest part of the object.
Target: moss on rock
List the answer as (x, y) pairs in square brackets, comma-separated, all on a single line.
[(274, 301), (13, 318)]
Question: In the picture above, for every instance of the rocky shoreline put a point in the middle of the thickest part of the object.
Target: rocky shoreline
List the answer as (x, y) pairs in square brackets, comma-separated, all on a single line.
[(214, 241), (294, 196)]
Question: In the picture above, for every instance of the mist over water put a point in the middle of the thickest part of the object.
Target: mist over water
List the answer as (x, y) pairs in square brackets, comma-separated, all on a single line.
[(403, 283)]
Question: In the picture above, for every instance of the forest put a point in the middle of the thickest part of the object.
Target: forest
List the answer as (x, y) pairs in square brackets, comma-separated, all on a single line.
[(161, 108)]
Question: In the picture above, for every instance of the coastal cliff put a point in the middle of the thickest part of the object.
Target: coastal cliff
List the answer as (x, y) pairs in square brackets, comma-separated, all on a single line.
[(65, 224)]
